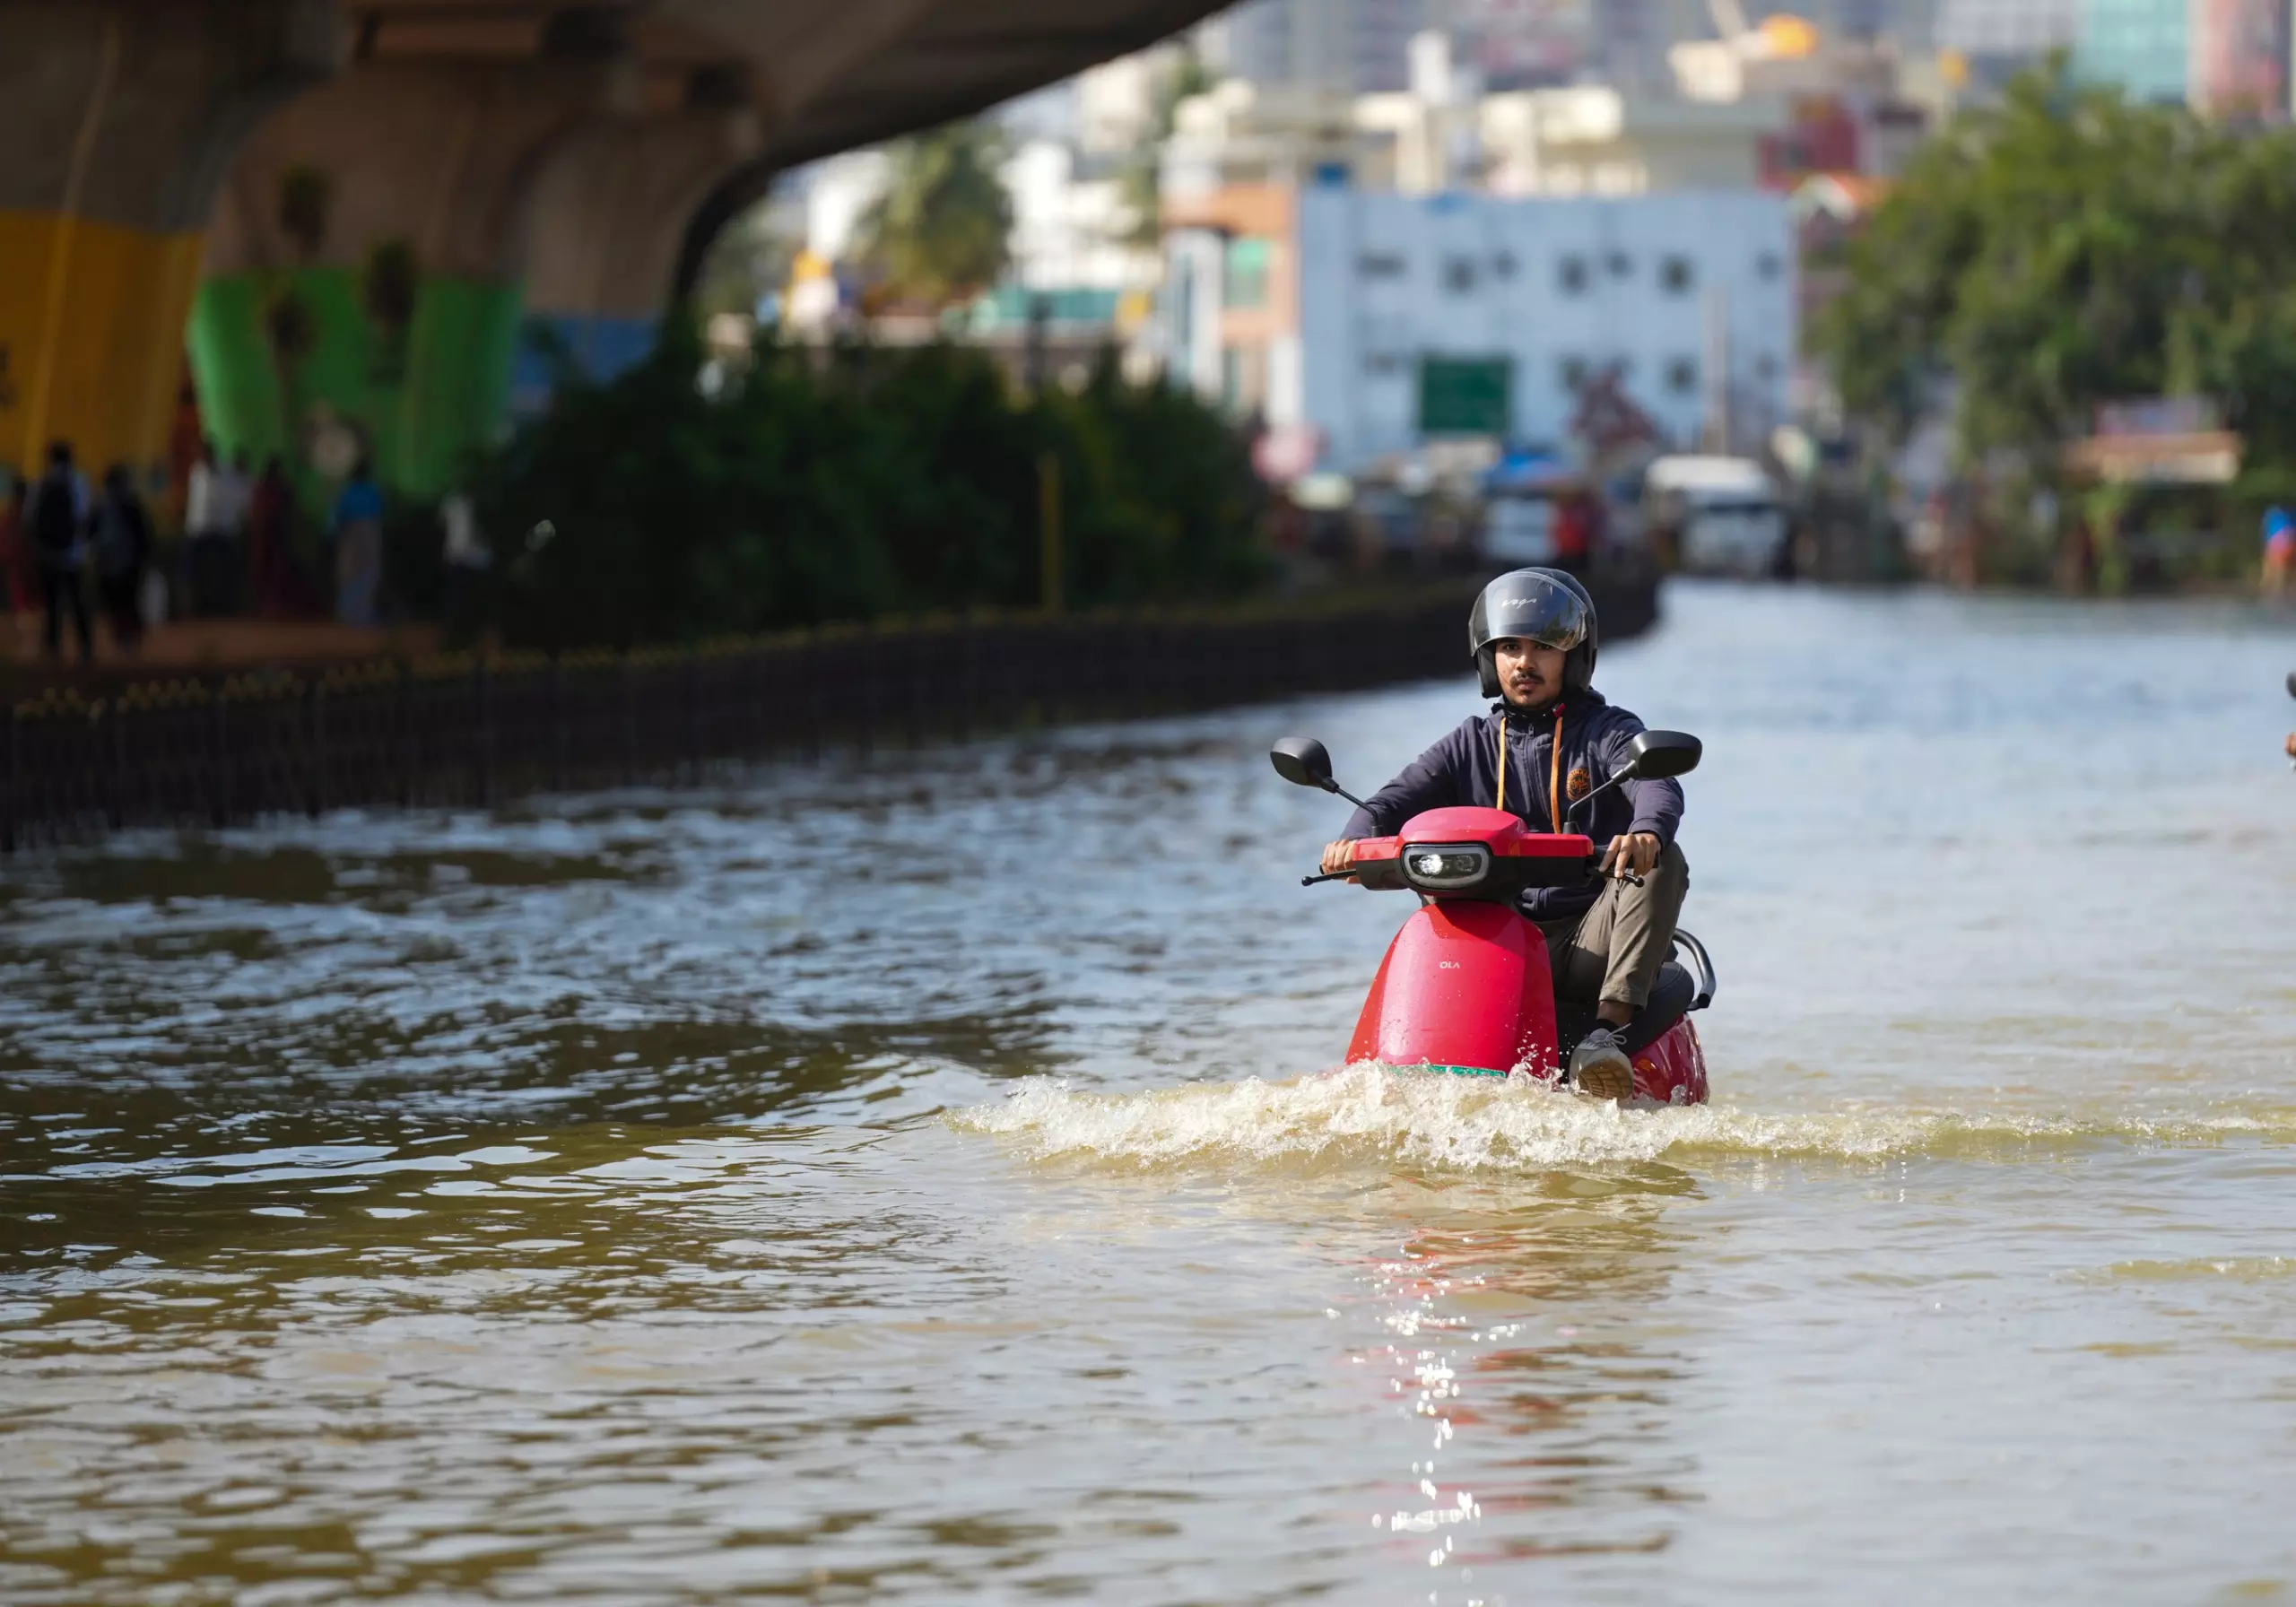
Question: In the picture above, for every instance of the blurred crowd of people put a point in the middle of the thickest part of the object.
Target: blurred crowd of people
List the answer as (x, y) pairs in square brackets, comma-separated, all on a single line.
[(59, 538), (74, 551)]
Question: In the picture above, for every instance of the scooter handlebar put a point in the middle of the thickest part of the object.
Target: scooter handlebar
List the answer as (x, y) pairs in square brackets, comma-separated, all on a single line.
[(1385, 873)]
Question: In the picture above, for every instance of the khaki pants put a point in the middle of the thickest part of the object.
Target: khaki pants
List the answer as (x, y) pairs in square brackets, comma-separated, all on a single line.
[(1614, 951)]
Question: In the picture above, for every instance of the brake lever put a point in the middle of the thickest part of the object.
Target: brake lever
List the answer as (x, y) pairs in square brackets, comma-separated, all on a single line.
[(1328, 876)]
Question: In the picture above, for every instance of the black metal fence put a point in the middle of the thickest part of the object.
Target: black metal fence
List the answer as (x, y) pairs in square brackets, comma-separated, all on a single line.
[(461, 731)]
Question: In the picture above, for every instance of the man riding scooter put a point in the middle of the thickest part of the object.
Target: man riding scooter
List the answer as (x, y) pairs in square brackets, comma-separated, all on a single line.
[(1549, 741)]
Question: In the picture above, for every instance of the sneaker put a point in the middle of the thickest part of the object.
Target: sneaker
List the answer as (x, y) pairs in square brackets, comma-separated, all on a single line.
[(1599, 1067)]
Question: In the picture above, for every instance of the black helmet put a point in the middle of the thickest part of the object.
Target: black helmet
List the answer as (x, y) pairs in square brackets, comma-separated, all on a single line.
[(1546, 606)]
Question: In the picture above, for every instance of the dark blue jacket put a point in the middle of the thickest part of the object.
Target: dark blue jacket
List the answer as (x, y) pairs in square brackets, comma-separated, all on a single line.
[(1463, 768)]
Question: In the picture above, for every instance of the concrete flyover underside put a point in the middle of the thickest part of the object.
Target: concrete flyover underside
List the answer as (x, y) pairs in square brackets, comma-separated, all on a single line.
[(354, 206)]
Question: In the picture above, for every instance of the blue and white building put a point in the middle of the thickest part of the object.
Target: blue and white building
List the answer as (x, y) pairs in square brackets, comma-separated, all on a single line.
[(1690, 295)]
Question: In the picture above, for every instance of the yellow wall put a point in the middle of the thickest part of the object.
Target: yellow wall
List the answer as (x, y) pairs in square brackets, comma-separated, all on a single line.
[(91, 332)]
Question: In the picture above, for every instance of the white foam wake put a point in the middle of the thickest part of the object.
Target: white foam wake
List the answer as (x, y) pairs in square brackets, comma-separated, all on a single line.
[(1368, 1113)]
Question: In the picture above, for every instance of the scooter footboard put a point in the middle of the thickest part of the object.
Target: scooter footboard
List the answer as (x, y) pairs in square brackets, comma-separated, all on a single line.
[(1464, 987)]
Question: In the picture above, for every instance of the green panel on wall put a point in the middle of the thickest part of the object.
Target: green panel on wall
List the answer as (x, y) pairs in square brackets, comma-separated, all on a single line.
[(420, 397), (1466, 395)]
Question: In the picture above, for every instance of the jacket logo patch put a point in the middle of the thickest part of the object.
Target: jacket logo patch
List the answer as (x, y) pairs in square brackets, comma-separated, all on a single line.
[(1579, 784)]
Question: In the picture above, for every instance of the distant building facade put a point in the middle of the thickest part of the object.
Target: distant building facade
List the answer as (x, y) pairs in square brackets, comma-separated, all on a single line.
[(2224, 57), (1999, 39), (2239, 52), (1911, 24), (1592, 140), (1354, 312), (1547, 296), (1631, 39), (2138, 45), (1343, 46), (1525, 44)]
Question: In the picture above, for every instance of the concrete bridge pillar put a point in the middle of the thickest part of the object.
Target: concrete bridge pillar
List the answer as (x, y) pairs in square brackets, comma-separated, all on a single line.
[(118, 121), (381, 242), (606, 227)]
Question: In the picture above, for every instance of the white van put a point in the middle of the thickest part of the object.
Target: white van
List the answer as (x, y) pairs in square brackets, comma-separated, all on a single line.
[(1518, 528), (1727, 516)]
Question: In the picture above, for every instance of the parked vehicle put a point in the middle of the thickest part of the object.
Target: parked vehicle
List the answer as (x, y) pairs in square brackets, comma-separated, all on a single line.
[(1522, 493), (1722, 514)]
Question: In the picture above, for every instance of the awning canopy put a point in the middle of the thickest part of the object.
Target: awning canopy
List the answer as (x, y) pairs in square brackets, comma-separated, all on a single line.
[(2201, 457)]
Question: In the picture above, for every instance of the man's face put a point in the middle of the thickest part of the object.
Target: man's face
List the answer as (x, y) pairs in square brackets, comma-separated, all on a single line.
[(1528, 673)]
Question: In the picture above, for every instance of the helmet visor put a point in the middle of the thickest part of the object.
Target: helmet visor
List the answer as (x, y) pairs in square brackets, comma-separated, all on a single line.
[(1529, 607)]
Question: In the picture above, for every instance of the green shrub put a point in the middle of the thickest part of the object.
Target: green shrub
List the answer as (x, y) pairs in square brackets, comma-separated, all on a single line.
[(861, 482)]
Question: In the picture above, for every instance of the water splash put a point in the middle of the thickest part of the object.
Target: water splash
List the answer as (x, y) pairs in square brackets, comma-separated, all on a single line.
[(2238, 1269), (1368, 1114)]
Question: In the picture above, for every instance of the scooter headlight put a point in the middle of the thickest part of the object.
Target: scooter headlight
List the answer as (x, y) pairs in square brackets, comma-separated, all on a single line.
[(1443, 866)]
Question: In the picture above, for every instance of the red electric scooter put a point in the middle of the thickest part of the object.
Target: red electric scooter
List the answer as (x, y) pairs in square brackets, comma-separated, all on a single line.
[(1466, 986)]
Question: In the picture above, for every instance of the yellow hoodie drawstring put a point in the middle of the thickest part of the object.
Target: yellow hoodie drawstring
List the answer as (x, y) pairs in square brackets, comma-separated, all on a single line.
[(1554, 774), (1554, 778)]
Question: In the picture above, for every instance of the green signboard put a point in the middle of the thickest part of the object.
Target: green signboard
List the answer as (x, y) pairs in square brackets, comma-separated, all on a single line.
[(1466, 395)]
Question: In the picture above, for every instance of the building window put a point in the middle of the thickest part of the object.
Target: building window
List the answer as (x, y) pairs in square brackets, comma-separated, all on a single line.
[(1766, 368), (1573, 373), (1382, 365), (1618, 264), (1503, 266), (1458, 275), (1244, 273), (1768, 266), (1678, 273), (1571, 274), (1379, 265), (1682, 375)]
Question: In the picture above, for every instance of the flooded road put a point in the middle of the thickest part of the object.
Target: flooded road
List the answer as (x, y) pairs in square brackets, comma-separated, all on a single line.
[(912, 1181)]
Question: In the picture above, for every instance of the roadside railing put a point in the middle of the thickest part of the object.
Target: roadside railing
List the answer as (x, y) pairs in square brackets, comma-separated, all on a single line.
[(471, 731)]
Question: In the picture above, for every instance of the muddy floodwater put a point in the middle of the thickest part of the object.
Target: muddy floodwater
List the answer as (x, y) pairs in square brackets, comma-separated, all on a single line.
[(926, 1179)]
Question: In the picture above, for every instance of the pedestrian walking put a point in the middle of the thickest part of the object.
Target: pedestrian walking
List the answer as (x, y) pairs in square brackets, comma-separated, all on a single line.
[(200, 533), (56, 516), (216, 516), (19, 584), (122, 546), (270, 512), (356, 529), (468, 562), (186, 445), (1573, 531), (2279, 553)]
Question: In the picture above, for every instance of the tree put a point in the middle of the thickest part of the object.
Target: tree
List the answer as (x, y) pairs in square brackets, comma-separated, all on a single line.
[(2035, 253), (2067, 247), (941, 230), (1141, 181), (752, 257)]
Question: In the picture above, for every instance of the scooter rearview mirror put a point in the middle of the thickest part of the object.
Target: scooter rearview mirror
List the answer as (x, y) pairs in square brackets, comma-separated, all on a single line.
[(1302, 761), (1662, 755)]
